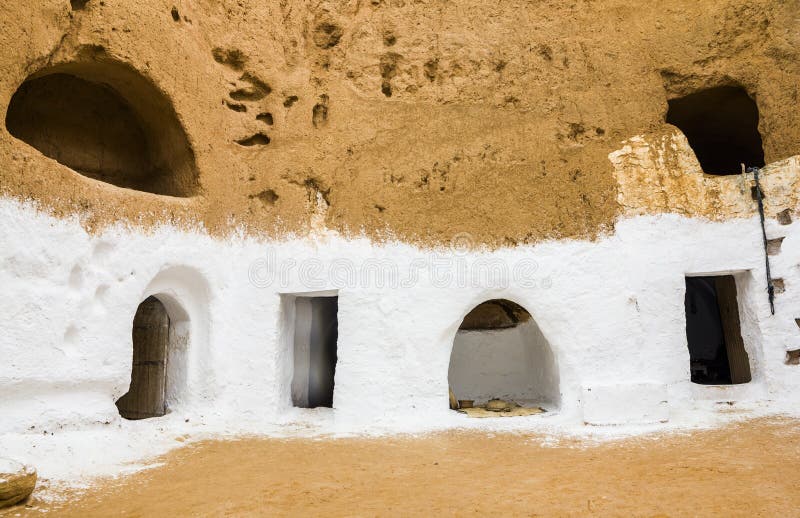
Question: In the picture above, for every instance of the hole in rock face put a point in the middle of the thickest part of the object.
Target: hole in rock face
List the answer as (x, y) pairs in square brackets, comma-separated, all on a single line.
[(106, 122), (267, 197), (237, 107), (234, 58), (77, 5), (265, 117), (319, 113), (327, 35), (259, 139), (721, 125)]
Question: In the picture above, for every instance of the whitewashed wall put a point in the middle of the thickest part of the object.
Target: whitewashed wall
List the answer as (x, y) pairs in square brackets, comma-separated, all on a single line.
[(611, 311)]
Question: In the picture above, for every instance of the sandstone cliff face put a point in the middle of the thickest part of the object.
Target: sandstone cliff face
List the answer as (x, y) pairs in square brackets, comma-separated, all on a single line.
[(418, 119)]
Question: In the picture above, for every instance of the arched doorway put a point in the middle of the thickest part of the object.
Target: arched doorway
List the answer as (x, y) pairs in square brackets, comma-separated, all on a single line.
[(499, 352), (159, 342)]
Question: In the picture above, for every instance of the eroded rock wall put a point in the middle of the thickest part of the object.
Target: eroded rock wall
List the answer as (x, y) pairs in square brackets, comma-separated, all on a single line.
[(420, 119)]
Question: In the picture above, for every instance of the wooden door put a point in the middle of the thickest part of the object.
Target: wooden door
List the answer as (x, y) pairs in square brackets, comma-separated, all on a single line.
[(738, 360), (147, 394)]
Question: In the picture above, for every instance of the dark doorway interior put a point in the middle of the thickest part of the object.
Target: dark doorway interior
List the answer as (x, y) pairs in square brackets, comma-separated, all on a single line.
[(316, 334), (721, 125), (147, 394), (713, 332)]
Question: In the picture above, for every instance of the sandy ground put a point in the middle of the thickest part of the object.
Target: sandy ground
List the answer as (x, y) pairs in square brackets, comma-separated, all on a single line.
[(745, 469)]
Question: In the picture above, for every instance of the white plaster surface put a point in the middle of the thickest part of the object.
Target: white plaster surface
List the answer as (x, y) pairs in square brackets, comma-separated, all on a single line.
[(611, 311), (630, 403)]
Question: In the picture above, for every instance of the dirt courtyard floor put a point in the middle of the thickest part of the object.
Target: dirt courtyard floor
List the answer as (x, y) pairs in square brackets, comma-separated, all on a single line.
[(746, 469)]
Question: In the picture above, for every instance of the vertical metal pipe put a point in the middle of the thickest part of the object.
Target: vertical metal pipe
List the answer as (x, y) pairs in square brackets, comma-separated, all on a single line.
[(770, 287)]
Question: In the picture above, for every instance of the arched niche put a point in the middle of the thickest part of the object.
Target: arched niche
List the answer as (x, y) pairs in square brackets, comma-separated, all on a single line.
[(106, 121), (500, 352)]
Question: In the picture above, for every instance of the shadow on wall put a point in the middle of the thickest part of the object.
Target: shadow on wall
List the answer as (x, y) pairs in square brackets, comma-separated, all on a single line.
[(500, 352), (106, 121)]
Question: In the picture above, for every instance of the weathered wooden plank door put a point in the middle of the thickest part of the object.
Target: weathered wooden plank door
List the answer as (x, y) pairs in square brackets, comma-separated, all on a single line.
[(147, 394), (738, 360)]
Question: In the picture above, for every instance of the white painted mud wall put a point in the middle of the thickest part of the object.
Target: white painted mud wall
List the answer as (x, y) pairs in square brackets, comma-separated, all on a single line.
[(611, 310), (514, 363)]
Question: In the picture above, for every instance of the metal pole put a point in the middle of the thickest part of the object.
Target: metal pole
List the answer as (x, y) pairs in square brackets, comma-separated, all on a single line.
[(770, 287)]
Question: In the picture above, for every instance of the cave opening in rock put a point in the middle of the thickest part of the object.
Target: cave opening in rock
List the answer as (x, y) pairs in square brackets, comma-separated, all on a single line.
[(717, 353), (316, 331), (721, 125), (499, 352), (105, 121)]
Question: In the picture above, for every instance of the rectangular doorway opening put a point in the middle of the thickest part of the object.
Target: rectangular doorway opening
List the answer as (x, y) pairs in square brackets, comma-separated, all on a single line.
[(316, 330), (716, 350)]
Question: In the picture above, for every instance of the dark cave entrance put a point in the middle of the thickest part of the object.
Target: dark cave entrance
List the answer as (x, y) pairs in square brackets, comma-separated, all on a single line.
[(107, 122), (721, 125)]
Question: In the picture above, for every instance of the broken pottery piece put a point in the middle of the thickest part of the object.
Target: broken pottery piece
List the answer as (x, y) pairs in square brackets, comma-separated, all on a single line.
[(16, 482)]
